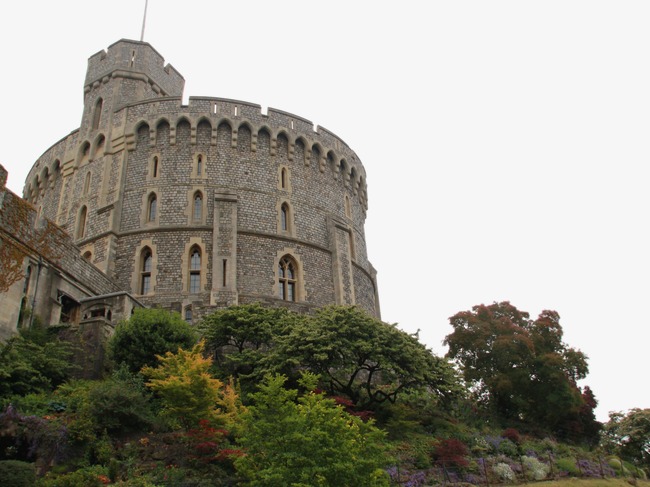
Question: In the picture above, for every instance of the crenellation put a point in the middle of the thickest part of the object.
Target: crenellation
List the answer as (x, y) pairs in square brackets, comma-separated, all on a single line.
[(246, 188)]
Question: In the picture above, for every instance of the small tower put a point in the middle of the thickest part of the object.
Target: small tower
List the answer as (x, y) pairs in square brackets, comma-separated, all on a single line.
[(128, 71)]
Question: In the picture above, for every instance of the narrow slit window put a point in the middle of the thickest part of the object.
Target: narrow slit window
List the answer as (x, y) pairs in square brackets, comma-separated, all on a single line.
[(284, 217), (81, 225)]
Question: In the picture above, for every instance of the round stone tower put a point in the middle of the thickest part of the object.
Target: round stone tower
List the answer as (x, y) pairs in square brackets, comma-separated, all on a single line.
[(211, 204)]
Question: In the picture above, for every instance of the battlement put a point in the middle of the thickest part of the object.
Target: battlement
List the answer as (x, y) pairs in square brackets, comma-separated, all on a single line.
[(127, 58)]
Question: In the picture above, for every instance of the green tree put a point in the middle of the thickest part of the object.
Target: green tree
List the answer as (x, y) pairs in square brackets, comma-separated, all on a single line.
[(148, 333), (189, 393), (34, 361), (520, 368), (310, 442), (363, 358), (629, 435), (239, 339)]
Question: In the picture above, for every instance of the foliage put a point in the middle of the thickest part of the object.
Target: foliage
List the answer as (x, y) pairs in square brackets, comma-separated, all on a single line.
[(93, 476), (451, 452), (32, 437), (188, 392), (629, 435), (363, 358), (15, 473), (240, 337), (33, 362), (535, 470), (148, 333), (520, 368), (504, 472), (118, 407), (308, 443), (567, 465), (512, 434)]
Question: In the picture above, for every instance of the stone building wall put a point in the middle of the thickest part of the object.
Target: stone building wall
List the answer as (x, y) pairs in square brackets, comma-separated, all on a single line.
[(43, 273), (271, 185)]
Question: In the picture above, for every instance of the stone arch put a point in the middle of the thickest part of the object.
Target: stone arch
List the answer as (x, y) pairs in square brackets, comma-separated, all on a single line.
[(264, 140), (344, 171), (332, 162), (317, 152), (282, 144), (224, 133), (56, 169), (282, 288), (45, 179), (183, 119), (286, 223), (190, 268), (98, 146), (141, 133), (203, 131), (354, 181), (245, 137), (300, 153), (163, 132), (145, 268), (83, 155)]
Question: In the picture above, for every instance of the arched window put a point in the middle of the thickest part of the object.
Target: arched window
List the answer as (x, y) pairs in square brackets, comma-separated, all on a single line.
[(284, 217), (199, 165), (155, 166), (146, 262), (152, 208), (81, 222), (197, 209), (97, 114), (287, 278), (195, 270), (188, 314)]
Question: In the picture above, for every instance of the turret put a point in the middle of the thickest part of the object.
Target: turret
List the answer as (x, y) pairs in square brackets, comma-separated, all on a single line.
[(128, 71)]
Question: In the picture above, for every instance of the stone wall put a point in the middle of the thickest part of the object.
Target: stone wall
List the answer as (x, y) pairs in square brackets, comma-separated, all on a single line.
[(43, 272), (286, 182)]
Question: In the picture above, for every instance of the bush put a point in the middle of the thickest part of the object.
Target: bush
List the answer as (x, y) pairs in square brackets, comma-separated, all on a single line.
[(17, 474), (451, 452), (567, 465), (535, 470), (512, 435), (85, 477), (508, 448), (504, 472), (147, 334), (118, 407)]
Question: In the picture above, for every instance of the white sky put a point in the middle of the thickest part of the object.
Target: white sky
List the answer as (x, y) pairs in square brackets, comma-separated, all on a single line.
[(505, 142)]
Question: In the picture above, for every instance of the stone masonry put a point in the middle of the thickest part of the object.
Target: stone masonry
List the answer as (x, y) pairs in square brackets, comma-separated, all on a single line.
[(201, 206)]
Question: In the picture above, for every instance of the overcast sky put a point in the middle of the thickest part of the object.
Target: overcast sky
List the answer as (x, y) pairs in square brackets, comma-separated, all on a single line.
[(505, 142)]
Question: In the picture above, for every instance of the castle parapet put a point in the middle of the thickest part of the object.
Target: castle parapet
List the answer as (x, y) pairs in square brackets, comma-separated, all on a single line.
[(127, 56)]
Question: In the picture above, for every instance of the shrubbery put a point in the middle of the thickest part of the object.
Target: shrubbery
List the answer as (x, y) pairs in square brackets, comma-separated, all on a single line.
[(14, 473)]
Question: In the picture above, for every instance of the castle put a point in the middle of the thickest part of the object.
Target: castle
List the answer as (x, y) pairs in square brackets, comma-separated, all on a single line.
[(185, 207)]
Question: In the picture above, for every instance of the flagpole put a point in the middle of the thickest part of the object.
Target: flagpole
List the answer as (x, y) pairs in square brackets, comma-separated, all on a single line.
[(144, 19)]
